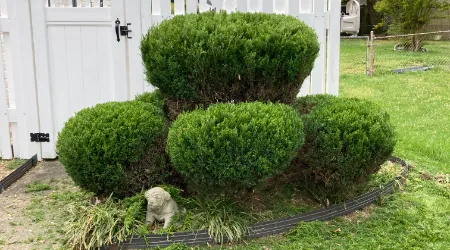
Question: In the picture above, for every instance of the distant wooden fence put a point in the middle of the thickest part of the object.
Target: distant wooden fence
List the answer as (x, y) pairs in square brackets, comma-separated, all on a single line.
[(63, 55), (439, 24)]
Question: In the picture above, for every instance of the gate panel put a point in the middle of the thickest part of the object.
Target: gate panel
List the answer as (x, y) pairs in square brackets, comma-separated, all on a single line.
[(45, 101), (79, 76), (74, 61)]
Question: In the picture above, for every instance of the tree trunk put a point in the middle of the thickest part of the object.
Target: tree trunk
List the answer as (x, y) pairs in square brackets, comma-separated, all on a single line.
[(417, 43)]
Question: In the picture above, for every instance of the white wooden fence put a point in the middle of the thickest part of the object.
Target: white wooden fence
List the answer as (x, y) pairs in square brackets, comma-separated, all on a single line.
[(62, 55)]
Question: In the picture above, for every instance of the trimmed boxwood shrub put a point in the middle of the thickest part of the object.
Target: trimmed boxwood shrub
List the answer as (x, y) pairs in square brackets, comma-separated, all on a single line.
[(115, 147), (218, 57), (346, 140), (154, 98), (234, 145)]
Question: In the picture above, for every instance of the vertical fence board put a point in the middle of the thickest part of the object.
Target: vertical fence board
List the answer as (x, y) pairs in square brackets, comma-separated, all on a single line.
[(334, 47), (11, 88), (119, 53), (146, 24), (166, 9), (3, 8), (306, 6), (294, 8), (146, 14), (41, 55), (136, 71), (179, 7), (75, 71), (317, 74), (242, 5), (24, 75), (157, 15), (191, 6), (105, 68), (281, 7), (306, 87), (308, 18), (230, 5), (156, 7), (90, 70), (267, 6), (9, 69), (203, 6), (5, 140), (254, 5), (59, 75)]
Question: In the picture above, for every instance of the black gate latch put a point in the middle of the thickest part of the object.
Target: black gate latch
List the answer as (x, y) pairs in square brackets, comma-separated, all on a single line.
[(122, 30), (40, 137)]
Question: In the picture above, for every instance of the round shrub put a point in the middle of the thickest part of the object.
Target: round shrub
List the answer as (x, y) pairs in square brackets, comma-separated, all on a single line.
[(305, 104), (154, 98), (218, 57), (234, 145), (346, 140), (114, 147)]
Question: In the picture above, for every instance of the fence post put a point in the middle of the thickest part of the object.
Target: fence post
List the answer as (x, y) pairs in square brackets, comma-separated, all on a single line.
[(317, 74), (333, 48), (371, 53), (5, 139), (24, 77)]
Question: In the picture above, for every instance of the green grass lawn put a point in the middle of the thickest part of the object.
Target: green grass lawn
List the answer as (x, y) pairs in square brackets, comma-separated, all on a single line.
[(417, 217), (419, 102)]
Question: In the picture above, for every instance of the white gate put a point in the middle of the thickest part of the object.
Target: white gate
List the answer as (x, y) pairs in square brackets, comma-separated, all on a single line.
[(67, 57)]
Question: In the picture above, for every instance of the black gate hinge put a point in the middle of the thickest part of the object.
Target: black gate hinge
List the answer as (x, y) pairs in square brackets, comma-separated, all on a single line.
[(40, 137)]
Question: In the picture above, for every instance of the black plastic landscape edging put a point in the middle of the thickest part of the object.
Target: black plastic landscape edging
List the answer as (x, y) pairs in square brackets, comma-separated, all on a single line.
[(17, 174), (262, 229)]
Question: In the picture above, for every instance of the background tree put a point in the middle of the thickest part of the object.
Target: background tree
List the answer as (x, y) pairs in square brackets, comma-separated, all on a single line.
[(410, 16)]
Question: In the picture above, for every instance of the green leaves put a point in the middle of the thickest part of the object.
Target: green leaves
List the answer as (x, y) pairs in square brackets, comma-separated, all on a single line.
[(99, 145), (92, 227), (346, 140), (154, 98), (219, 57), (234, 145), (410, 16)]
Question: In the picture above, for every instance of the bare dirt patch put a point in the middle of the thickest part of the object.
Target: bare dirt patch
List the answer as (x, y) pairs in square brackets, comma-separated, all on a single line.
[(8, 166), (3, 170), (25, 220)]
